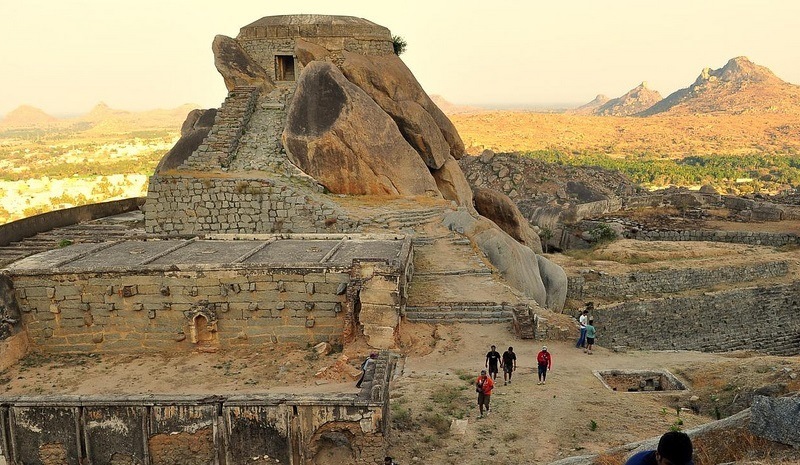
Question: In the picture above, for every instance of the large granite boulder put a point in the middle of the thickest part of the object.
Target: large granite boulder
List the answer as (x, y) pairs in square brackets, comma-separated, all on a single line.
[(193, 132), (338, 135), (306, 52), (453, 184), (499, 208), (516, 263), (236, 66), (392, 85), (554, 279)]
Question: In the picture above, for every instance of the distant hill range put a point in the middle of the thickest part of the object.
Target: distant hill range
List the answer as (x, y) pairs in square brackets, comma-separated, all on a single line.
[(739, 87), (453, 109), (100, 118)]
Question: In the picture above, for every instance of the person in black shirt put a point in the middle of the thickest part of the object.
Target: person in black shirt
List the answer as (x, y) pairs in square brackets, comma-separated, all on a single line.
[(509, 364), (493, 362)]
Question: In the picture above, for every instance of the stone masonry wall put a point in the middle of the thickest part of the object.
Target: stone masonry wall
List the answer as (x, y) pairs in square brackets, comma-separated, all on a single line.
[(737, 237), (174, 311), (185, 204), (278, 429), (756, 318), (637, 283), (263, 50)]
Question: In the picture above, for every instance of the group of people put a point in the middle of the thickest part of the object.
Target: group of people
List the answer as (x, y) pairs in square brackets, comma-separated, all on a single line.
[(588, 331), (508, 362)]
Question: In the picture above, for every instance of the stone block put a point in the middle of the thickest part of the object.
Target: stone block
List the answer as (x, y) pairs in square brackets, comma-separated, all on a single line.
[(379, 315), (379, 337)]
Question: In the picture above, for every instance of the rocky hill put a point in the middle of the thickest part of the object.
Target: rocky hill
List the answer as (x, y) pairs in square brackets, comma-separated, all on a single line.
[(739, 87), (27, 116), (591, 107), (450, 108), (636, 100)]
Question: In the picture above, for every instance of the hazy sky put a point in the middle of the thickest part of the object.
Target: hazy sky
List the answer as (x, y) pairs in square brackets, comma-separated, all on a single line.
[(65, 56)]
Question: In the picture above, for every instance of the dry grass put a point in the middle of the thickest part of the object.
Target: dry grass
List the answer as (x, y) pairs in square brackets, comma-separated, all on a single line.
[(670, 136)]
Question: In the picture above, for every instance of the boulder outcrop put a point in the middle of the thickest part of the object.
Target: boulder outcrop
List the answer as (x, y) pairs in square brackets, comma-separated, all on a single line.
[(517, 264), (392, 85), (499, 208), (236, 66), (338, 135), (453, 185), (193, 131)]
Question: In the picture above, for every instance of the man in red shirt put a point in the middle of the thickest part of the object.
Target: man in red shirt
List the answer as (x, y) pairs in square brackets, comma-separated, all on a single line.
[(484, 386), (545, 362)]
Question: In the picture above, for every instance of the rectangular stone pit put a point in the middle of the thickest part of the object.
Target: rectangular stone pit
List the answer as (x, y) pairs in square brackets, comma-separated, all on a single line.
[(640, 380)]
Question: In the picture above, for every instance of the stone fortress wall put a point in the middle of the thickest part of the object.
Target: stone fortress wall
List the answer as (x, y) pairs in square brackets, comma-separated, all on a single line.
[(760, 318)]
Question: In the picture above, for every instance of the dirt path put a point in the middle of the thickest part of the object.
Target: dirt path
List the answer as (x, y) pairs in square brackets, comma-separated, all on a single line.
[(530, 423)]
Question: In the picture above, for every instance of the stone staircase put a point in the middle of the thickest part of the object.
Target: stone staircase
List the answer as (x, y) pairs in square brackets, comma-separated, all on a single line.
[(403, 220), (452, 282), (221, 144)]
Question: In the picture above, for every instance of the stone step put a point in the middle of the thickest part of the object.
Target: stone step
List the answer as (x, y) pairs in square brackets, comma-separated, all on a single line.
[(469, 312)]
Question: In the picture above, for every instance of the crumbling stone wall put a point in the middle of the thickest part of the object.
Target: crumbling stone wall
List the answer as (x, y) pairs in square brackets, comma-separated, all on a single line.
[(756, 318), (273, 429), (607, 286), (172, 311), (184, 204)]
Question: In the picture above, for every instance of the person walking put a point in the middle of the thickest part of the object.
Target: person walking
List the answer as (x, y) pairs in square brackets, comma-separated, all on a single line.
[(509, 365), (591, 334), (484, 386), (582, 320), (545, 362), (674, 448), (492, 362)]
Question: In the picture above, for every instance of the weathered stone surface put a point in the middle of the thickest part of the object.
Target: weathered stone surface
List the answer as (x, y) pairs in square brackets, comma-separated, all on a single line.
[(515, 262), (193, 131), (236, 66), (306, 52), (453, 184), (389, 82), (776, 419), (554, 279), (499, 208), (337, 134)]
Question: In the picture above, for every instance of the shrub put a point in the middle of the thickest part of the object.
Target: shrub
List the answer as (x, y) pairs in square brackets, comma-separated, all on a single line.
[(399, 45)]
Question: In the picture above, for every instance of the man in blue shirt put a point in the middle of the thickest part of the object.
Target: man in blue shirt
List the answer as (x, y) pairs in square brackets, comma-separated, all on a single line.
[(674, 448)]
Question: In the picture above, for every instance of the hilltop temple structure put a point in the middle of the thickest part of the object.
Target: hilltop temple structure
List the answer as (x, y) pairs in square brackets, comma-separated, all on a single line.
[(289, 215)]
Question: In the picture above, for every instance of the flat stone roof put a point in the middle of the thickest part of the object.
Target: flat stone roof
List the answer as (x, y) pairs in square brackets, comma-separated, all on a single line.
[(313, 25), (300, 251)]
